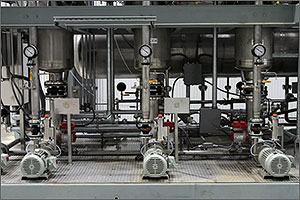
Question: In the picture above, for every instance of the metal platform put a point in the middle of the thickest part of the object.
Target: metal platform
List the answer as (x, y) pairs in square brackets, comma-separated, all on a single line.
[(121, 177), (128, 170)]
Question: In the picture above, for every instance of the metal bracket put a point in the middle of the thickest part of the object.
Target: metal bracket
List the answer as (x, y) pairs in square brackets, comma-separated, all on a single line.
[(103, 21)]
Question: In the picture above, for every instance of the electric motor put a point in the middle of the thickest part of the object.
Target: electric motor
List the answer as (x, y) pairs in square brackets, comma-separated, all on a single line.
[(275, 162), (38, 163), (156, 162)]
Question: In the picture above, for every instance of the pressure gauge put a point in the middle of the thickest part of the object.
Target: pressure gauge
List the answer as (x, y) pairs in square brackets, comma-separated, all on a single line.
[(145, 51), (258, 50), (30, 51)]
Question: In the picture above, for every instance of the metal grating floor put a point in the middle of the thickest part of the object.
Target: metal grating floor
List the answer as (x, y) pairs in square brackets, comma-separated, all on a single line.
[(128, 170)]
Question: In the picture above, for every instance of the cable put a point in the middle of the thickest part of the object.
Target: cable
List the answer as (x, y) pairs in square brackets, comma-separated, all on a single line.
[(13, 86), (125, 39), (222, 89), (187, 136), (262, 141), (59, 149), (173, 86), (94, 116), (123, 60)]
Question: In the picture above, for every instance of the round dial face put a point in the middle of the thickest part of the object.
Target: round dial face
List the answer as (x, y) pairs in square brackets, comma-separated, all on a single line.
[(145, 51), (30, 51), (258, 50)]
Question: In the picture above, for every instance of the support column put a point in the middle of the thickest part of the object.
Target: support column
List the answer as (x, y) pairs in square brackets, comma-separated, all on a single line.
[(298, 91), (69, 139), (110, 71), (214, 77)]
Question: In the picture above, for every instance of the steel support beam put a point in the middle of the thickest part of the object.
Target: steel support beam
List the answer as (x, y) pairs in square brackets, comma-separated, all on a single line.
[(152, 191), (167, 16)]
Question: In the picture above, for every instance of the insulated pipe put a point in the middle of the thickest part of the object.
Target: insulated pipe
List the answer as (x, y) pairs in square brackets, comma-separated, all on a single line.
[(110, 71), (214, 79), (35, 90)]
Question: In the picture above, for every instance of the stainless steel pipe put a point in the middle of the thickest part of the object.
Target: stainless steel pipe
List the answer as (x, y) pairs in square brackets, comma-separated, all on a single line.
[(215, 78), (35, 84), (110, 71)]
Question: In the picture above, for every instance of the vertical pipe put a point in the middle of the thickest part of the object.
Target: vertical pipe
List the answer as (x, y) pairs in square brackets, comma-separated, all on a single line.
[(214, 81), (176, 136), (69, 139), (146, 92), (167, 79), (257, 72), (257, 76), (35, 91), (187, 91), (110, 71), (298, 89), (82, 64), (21, 83), (146, 73), (0, 82)]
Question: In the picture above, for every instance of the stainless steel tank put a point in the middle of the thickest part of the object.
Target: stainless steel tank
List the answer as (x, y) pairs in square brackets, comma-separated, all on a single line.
[(244, 44), (55, 49), (161, 56), (185, 43)]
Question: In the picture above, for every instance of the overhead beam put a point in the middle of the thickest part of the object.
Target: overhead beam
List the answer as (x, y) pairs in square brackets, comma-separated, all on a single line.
[(167, 16)]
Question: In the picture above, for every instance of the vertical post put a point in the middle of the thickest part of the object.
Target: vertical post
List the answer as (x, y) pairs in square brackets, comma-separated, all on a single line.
[(176, 137), (0, 83), (298, 91), (167, 82), (69, 139), (214, 81), (187, 91), (110, 71)]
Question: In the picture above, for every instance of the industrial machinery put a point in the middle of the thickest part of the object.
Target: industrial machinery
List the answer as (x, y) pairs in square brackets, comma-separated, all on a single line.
[(156, 162), (157, 153), (118, 91), (39, 162), (275, 162)]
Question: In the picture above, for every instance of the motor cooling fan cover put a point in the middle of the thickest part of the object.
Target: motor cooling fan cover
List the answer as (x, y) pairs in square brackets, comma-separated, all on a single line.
[(155, 165), (32, 166), (278, 165)]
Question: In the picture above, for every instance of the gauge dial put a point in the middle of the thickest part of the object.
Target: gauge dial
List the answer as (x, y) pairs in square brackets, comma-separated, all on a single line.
[(258, 50), (145, 51), (30, 51)]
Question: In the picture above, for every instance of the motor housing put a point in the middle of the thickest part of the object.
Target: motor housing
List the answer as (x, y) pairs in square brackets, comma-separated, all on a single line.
[(156, 163), (275, 162), (38, 164)]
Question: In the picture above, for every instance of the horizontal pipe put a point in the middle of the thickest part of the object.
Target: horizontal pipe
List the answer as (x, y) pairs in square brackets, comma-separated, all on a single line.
[(214, 153), (108, 128), (14, 143), (107, 153), (110, 135)]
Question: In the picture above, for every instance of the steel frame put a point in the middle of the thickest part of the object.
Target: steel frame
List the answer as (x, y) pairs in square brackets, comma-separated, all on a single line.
[(167, 16), (152, 191)]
